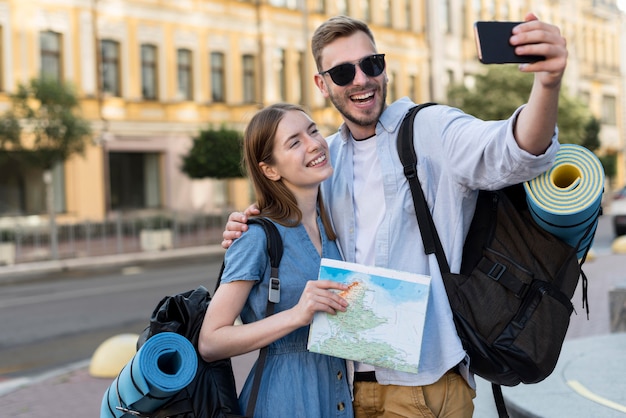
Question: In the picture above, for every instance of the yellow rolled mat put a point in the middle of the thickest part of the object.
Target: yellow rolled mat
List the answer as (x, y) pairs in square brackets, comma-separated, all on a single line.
[(566, 199)]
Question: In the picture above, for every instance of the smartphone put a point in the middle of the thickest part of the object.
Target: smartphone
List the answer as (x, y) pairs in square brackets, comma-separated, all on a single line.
[(492, 44)]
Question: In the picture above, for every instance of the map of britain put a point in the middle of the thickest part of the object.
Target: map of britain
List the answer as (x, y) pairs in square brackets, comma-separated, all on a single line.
[(384, 322)]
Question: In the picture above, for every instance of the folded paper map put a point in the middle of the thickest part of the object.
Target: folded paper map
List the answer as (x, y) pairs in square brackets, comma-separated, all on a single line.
[(384, 322)]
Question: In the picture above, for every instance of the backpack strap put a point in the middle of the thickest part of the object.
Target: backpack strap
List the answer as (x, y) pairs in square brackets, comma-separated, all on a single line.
[(275, 251), (499, 400), (274, 245), (432, 243), (406, 152)]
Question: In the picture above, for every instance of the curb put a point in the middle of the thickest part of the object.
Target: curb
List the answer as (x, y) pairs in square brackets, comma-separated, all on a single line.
[(21, 382)]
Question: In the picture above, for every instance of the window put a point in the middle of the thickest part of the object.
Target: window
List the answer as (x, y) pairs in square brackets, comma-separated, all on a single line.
[(50, 49), (366, 10), (393, 86), (302, 78), (476, 10), (385, 6), (1, 60), (185, 85), (319, 6), (218, 80), (342, 7), (149, 72), (24, 192), (135, 180), (413, 88), (491, 10), (290, 4), (407, 14), (445, 17), (110, 55), (609, 110), (503, 12), (281, 74), (249, 85)]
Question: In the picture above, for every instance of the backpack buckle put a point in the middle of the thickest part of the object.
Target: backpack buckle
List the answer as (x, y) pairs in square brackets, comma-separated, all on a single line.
[(410, 171), (496, 271)]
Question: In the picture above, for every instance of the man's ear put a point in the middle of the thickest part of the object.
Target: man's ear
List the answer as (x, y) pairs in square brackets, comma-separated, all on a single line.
[(321, 84), (269, 171)]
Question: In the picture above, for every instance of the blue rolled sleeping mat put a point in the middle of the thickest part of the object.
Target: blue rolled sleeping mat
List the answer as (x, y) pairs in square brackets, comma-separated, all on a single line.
[(161, 368), (566, 199)]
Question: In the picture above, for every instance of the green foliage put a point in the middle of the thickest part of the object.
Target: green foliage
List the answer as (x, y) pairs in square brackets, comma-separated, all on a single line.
[(609, 163), (591, 138), (7, 235), (47, 110), (503, 88), (214, 154), (10, 131), (495, 95)]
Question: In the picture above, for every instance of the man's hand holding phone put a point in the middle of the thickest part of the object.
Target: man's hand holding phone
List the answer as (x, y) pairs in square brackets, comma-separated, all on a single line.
[(527, 41), (493, 44)]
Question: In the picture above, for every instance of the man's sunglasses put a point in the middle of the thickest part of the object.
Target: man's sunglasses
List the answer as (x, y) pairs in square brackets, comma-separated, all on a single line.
[(343, 74)]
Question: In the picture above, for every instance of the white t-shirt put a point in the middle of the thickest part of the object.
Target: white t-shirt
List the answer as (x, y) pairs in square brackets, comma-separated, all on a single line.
[(369, 199), (369, 206)]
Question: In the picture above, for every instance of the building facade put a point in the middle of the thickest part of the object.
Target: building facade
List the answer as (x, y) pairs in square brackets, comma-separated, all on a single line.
[(151, 73)]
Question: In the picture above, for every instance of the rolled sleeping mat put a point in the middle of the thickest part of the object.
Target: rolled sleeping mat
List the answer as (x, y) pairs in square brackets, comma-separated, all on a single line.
[(566, 199), (162, 367)]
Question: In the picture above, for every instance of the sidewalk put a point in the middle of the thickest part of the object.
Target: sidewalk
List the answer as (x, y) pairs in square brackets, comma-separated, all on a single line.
[(587, 382)]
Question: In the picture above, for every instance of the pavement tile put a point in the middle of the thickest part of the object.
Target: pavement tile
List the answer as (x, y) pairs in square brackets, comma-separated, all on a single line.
[(71, 394)]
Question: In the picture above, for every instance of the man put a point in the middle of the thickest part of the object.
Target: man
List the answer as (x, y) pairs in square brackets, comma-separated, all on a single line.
[(371, 206)]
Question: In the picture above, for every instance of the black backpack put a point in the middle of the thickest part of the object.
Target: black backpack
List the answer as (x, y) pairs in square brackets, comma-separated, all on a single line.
[(212, 393), (511, 301)]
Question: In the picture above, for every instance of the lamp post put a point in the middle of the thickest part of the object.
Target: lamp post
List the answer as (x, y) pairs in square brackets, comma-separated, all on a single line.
[(54, 242)]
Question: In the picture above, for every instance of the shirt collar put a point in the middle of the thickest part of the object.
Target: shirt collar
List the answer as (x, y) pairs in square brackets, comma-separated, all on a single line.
[(390, 119)]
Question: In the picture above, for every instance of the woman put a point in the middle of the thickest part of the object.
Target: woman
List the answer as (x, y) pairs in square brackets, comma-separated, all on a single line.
[(286, 158)]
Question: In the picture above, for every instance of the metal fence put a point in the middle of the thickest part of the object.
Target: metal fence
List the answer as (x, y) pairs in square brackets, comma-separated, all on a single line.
[(22, 244)]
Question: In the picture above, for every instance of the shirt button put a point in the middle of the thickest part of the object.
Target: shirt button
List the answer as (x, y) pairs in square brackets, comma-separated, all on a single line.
[(339, 375), (341, 406)]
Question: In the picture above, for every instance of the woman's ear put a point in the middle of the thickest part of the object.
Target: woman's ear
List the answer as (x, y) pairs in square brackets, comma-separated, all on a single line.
[(269, 171)]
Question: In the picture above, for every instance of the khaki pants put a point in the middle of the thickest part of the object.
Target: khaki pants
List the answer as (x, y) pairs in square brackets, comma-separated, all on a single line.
[(449, 397)]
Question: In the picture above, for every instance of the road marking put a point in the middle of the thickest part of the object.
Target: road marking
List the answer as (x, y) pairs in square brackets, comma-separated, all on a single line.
[(586, 393), (130, 270)]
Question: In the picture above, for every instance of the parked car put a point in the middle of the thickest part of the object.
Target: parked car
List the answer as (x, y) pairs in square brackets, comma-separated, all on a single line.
[(618, 211)]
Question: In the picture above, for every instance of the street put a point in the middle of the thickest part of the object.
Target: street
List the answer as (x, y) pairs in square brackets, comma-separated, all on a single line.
[(54, 321), (47, 324)]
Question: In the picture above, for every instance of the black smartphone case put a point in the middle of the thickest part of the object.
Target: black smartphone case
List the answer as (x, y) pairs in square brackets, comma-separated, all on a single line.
[(492, 43)]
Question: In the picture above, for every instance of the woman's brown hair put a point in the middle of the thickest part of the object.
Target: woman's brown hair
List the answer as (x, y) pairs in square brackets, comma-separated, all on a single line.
[(274, 199)]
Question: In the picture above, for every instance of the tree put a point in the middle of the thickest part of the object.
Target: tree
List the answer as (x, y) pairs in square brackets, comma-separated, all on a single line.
[(499, 91), (591, 139), (42, 129), (215, 154)]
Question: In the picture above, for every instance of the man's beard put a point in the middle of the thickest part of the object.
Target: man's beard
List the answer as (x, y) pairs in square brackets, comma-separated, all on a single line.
[(342, 103)]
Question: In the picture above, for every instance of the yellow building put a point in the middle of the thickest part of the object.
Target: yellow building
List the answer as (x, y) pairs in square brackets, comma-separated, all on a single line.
[(151, 73)]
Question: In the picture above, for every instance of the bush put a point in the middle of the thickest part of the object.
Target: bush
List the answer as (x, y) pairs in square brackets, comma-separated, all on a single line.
[(214, 154)]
